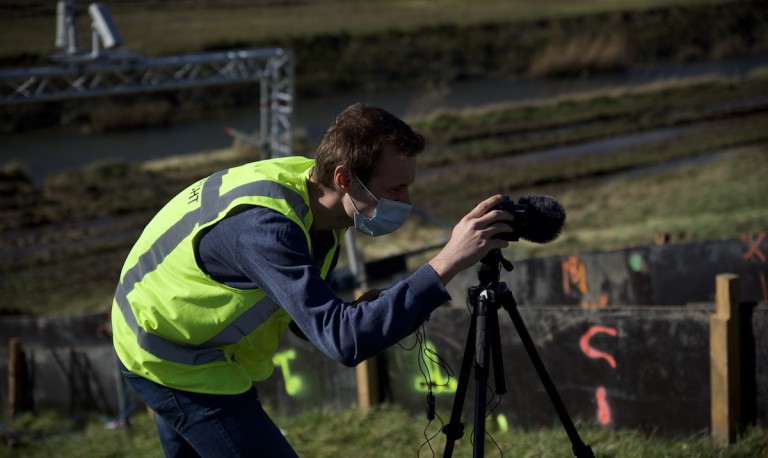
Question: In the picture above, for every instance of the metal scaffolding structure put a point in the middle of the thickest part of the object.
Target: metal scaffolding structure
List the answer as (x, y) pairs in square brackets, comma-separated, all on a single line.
[(75, 74)]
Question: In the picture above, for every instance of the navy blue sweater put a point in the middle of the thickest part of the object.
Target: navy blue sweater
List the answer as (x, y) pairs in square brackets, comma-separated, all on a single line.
[(261, 248)]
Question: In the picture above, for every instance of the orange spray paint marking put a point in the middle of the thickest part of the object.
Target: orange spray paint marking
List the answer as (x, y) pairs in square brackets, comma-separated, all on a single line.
[(603, 409), (585, 304), (574, 273), (602, 303), (593, 353)]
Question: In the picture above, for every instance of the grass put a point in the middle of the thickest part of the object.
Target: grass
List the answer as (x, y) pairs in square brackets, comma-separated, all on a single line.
[(609, 207), (582, 53), (184, 25), (614, 199), (568, 119), (610, 201), (386, 431), (504, 174), (720, 198), (346, 46)]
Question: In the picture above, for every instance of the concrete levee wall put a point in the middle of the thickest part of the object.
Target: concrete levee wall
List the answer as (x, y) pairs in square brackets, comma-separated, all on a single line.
[(616, 364), (624, 367), (70, 363), (674, 274)]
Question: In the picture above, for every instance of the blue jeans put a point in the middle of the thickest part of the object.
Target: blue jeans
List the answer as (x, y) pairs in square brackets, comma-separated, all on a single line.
[(210, 425)]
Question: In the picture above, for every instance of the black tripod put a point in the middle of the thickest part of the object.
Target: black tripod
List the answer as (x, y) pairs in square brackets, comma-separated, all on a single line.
[(484, 341)]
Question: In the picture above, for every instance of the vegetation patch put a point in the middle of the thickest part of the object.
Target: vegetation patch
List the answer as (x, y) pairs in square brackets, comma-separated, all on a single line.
[(386, 431), (343, 46), (86, 220)]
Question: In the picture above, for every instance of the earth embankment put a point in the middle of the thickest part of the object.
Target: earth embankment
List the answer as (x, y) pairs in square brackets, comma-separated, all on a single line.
[(62, 244)]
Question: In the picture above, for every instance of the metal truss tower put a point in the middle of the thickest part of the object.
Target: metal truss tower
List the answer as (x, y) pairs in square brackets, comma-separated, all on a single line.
[(75, 74)]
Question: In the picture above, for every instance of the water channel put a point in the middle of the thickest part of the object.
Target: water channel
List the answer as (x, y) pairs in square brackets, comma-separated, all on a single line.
[(51, 150)]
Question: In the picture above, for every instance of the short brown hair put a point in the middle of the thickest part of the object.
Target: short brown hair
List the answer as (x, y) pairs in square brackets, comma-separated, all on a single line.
[(357, 138)]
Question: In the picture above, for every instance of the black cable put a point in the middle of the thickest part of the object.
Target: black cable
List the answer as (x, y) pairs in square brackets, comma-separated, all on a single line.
[(425, 356), (428, 439)]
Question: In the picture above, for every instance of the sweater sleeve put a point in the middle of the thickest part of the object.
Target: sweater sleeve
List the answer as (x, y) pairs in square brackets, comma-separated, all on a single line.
[(261, 248)]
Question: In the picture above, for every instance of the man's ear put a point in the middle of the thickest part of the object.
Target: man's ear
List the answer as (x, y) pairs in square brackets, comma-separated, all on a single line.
[(342, 178)]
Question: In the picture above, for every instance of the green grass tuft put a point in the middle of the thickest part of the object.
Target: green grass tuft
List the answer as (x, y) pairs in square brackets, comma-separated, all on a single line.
[(385, 431)]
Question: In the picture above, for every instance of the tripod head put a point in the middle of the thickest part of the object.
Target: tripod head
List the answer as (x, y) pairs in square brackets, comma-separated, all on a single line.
[(490, 267)]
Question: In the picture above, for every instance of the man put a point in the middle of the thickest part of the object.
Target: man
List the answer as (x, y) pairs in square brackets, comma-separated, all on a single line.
[(230, 262)]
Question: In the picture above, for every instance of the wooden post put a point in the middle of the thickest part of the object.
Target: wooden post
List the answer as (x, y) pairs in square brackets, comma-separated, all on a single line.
[(366, 373), (15, 377), (367, 383), (724, 354), (367, 377)]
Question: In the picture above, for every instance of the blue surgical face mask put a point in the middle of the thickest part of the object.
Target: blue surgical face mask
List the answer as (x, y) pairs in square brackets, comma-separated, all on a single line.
[(388, 216)]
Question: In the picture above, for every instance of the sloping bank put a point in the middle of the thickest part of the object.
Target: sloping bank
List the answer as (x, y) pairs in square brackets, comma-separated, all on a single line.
[(433, 55), (557, 46)]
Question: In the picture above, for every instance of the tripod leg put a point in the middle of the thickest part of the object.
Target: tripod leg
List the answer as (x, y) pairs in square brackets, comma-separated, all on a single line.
[(580, 449), (496, 355), (482, 361), (454, 430)]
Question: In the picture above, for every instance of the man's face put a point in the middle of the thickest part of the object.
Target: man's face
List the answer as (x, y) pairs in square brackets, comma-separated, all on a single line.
[(391, 178)]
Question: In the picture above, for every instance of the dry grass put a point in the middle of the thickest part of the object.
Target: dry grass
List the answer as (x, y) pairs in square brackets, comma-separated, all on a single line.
[(111, 115), (181, 26), (582, 54), (717, 199)]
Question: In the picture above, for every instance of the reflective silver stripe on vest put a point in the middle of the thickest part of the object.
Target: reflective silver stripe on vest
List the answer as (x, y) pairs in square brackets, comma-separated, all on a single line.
[(210, 206), (186, 354), (245, 323)]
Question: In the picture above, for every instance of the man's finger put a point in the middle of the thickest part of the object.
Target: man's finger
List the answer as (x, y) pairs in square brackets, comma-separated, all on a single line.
[(499, 227), (483, 207)]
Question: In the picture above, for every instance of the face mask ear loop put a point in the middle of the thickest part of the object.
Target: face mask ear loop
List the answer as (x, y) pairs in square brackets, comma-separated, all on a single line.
[(369, 192), (353, 203), (349, 194)]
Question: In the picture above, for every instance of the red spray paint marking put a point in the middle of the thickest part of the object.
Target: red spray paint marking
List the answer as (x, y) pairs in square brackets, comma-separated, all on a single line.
[(603, 409), (754, 251), (593, 353), (604, 416), (754, 247)]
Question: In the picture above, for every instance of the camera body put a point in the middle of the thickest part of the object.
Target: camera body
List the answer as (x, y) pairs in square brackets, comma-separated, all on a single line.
[(537, 218), (518, 211)]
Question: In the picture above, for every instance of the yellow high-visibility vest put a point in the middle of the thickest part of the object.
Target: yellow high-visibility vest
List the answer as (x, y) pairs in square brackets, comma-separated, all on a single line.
[(174, 324)]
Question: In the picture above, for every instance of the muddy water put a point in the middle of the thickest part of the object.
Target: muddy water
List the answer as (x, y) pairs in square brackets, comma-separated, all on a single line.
[(49, 151)]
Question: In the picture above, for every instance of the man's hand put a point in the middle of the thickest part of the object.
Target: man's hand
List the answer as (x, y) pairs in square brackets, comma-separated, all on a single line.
[(472, 238)]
